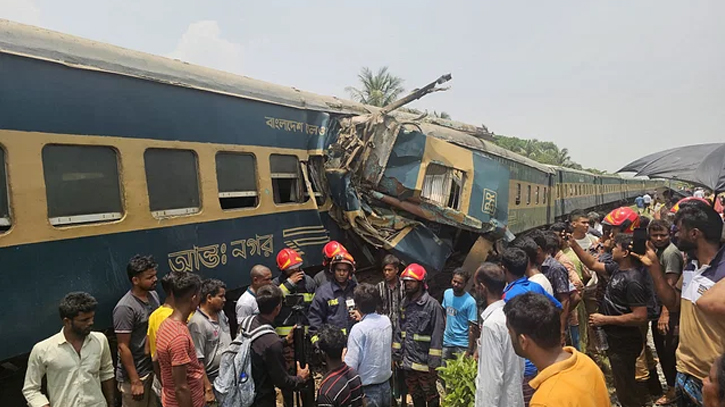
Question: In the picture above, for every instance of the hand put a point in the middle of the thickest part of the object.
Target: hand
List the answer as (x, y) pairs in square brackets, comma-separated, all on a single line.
[(344, 352), (303, 374), (209, 395), (137, 390), (566, 236), (650, 256), (597, 319), (475, 356), (290, 338), (296, 277), (663, 324)]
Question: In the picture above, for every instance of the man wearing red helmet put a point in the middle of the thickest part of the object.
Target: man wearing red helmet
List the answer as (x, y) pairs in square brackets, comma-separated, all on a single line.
[(418, 342), (293, 281), (331, 249), (334, 301)]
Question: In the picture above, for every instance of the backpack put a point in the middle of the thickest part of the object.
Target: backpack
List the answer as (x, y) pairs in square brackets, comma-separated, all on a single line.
[(234, 387)]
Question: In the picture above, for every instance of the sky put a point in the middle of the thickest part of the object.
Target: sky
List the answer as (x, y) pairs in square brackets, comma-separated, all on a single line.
[(611, 81)]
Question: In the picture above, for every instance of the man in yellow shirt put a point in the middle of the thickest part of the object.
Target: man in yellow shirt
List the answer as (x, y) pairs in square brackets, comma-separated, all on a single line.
[(155, 320), (567, 377)]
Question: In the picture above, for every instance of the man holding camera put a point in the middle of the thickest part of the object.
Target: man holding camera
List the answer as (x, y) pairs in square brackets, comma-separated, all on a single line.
[(298, 290)]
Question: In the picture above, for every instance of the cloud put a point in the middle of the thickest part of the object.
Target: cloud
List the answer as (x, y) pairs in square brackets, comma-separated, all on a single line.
[(22, 11), (203, 45)]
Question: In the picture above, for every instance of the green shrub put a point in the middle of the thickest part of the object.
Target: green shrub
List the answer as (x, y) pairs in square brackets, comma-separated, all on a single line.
[(459, 376)]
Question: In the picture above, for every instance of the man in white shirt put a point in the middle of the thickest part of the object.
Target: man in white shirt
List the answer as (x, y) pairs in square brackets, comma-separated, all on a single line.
[(369, 347), (247, 303), (647, 203), (76, 361), (500, 370)]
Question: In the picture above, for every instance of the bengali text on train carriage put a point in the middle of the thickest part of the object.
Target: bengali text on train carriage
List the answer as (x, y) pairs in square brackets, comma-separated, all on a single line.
[(211, 256), (295, 126)]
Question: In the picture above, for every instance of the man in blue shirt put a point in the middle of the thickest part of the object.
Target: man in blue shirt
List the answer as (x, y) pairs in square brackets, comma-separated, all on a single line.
[(514, 262), (369, 347), (461, 317)]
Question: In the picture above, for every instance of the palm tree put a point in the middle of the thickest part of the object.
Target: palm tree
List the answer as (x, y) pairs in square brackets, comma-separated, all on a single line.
[(530, 149), (378, 89), (562, 157)]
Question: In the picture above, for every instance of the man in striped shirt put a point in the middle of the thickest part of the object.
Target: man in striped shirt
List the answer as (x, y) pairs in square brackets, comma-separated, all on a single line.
[(183, 379), (341, 386)]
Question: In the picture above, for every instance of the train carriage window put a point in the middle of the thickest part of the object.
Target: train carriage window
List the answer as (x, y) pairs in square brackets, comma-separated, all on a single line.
[(173, 182), (528, 195), (536, 197), (543, 200), (5, 221), (518, 194), (286, 185), (315, 170), (81, 184), (443, 185), (237, 180)]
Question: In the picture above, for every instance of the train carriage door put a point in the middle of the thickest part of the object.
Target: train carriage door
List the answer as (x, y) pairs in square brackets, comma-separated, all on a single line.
[(5, 220), (547, 198)]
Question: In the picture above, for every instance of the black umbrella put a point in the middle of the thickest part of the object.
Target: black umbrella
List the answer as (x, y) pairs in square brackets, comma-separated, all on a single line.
[(702, 164)]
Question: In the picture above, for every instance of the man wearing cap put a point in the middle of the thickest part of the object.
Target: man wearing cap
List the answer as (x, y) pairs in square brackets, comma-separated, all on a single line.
[(418, 341), (334, 302)]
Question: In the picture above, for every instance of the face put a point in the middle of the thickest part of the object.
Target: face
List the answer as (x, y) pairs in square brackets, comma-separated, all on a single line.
[(580, 225), (195, 300), (291, 270), (146, 280), (686, 238), (390, 273), (540, 255), (518, 342), (217, 302), (660, 238), (710, 387), (458, 284), (480, 291), (411, 287), (265, 279), (81, 324), (618, 253), (342, 273)]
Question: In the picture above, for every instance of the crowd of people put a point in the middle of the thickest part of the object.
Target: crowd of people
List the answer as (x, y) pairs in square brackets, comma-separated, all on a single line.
[(553, 317)]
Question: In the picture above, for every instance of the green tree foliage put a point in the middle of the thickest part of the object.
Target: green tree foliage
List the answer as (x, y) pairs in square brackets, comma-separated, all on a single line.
[(460, 377), (377, 89), (441, 115), (544, 152)]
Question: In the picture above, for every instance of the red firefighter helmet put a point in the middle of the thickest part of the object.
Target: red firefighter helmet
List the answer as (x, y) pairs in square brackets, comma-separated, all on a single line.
[(343, 258), (331, 249), (625, 218), (689, 198), (414, 272), (287, 259)]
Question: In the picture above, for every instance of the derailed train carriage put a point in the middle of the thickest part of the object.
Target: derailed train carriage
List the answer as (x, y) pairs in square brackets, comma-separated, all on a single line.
[(107, 152)]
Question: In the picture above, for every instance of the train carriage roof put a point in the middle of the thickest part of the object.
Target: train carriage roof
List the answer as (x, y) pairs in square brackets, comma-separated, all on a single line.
[(571, 170), (39, 43)]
